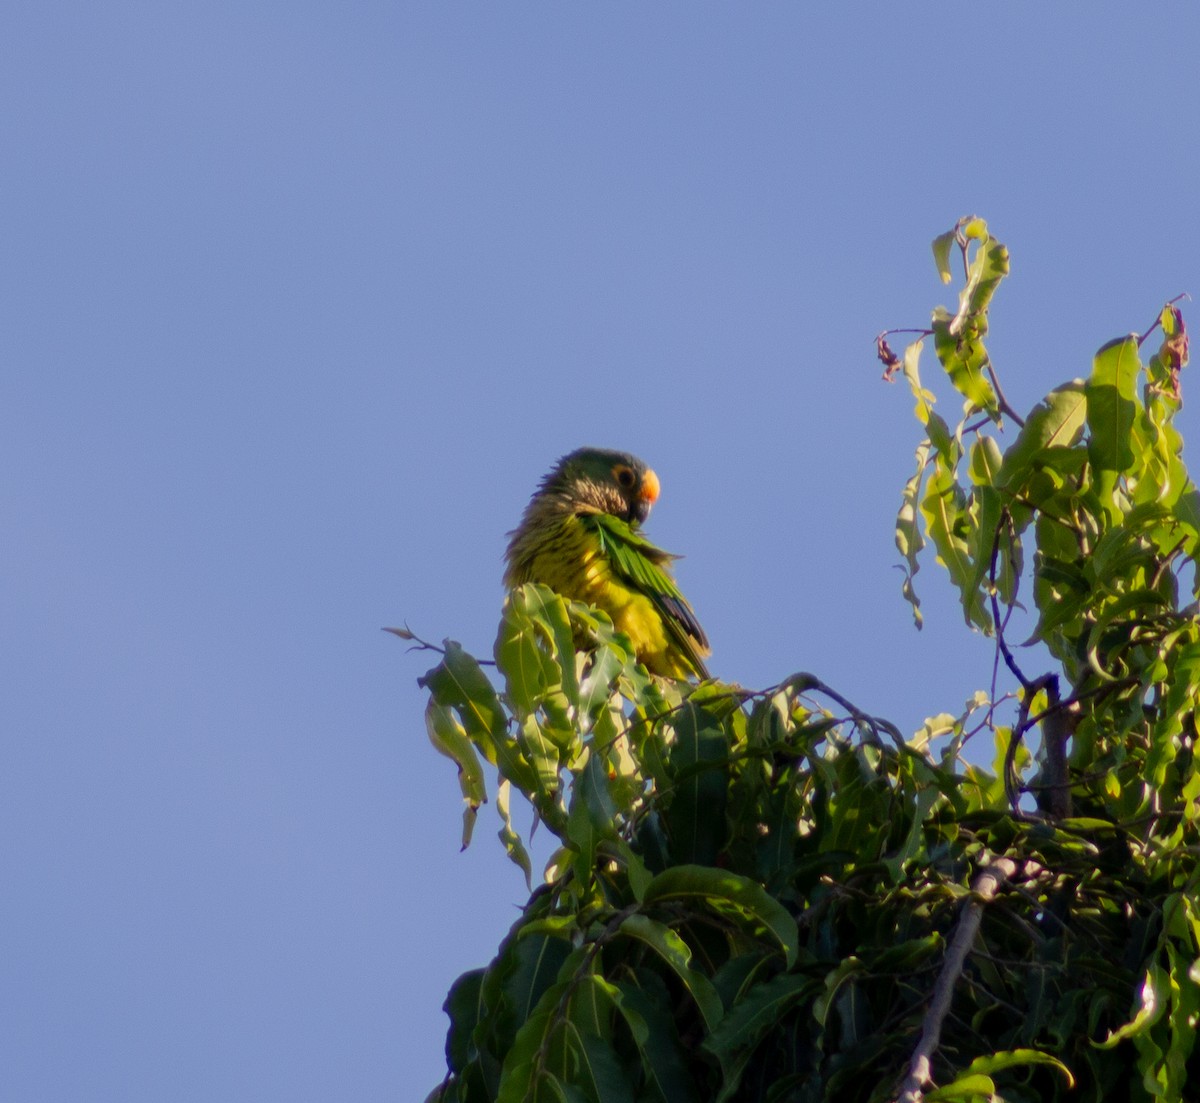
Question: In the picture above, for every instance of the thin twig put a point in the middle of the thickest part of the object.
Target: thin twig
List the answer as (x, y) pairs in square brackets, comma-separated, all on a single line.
[(984, 888), (419, 644), (1158, 320), (1165, 564), (1005, 407), (862, 719), (1048, 682), (1083, 695), (1009, 661)]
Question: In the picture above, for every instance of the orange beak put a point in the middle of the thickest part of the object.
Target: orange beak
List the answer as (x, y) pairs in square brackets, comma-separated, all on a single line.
[(648, 492)]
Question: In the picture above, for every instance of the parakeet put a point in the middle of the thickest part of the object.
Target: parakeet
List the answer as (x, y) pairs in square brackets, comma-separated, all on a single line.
[(579, 536)]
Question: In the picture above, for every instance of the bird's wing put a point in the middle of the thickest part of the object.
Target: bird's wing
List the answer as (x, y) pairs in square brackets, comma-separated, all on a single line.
[(639, 563)]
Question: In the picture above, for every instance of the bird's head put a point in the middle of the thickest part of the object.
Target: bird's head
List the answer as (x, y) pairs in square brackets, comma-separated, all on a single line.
[(607, 481)]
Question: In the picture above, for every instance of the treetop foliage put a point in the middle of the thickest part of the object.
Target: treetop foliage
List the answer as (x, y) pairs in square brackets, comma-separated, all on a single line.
[(769, 895)]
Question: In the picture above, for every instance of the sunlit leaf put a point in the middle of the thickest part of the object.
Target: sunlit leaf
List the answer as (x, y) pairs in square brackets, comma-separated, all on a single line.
[(971, 1088), (1111, 409), (458, 682), (964, 359), (592, 815), (450, 739), (909, 540), (513, 846), (1017, 1058), (1056, 422), (944, 509), (942, 244), (528, 669), (1149, 1007)]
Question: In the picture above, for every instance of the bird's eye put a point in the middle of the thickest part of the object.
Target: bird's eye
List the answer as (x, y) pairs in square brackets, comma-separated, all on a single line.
[(624, 475)]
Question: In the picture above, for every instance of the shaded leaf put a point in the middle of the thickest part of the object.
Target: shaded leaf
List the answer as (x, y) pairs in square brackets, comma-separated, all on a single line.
[(675, 953), (749, 1020), (695, 816), (732, 895)]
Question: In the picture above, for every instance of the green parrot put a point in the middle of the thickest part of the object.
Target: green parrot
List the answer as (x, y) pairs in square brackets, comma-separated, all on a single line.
[(579, 536)]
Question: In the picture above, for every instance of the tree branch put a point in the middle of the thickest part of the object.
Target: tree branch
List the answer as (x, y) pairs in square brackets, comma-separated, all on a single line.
[(984, 888)]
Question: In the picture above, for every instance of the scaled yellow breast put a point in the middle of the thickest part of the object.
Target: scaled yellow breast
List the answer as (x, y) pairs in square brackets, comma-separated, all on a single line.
[(567, 558)]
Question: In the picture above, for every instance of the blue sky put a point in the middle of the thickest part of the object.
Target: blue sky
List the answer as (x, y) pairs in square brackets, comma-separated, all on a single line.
[(300, 300)]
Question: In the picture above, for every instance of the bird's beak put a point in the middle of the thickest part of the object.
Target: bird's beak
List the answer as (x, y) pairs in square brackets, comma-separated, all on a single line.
[(647, 495)]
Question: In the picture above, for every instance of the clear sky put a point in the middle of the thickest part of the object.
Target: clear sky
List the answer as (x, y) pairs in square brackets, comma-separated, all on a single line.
[(301, 299)]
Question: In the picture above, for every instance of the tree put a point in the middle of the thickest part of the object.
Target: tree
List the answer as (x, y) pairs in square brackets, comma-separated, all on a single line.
[(769, 895)]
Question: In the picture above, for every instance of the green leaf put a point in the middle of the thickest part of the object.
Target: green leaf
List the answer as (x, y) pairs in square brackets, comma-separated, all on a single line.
[(1111, 409), (549, 611), (651, 1020), (942, 244), (749, 1020), (513, 846), (1187, 511), (464, 1006), (731, 895), (676, 954), (988, 267), (543, 753), (923, 410), (972, 1088), (529, 671), (946, 522), (592, 1004), (1185, 1011), (733, 979), (1056, 422), (964, 358), (909, 540), (638, 875), (538, 1052), (530, 967), (598, 1070), (1015, 1058), (592, 816), (450, 738), (604, 667), (844, 972), (458, 682), (985, 461), (695, 817), (987, 529), (1150, 1005)]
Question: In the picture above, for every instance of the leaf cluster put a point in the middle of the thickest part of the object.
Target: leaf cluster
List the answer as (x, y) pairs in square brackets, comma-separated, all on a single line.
[(772, 896)]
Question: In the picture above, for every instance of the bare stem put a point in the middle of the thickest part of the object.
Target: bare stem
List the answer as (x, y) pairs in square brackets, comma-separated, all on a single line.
[(984, 887), (813, 684), (1005, 407)]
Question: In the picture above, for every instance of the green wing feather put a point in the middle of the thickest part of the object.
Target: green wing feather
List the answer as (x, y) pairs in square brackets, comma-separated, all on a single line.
[(640, 563)]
